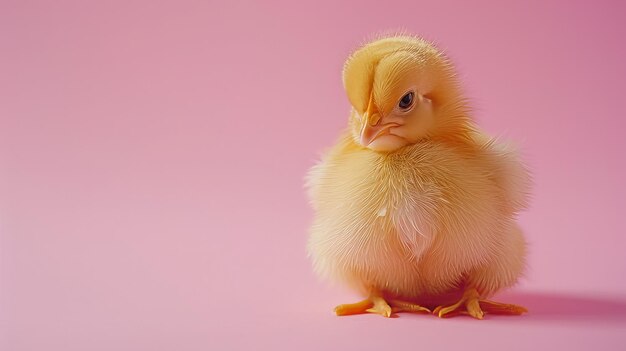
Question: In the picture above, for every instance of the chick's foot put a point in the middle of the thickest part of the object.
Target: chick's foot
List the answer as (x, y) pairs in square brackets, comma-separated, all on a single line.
[(378, 305), (373, 304), (472, 305)]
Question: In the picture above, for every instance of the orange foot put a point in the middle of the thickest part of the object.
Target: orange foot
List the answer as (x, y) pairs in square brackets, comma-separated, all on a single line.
[(378, 305), (475, 307)]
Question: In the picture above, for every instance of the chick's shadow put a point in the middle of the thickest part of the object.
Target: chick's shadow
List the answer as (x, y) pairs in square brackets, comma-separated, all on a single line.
[(563, 307)]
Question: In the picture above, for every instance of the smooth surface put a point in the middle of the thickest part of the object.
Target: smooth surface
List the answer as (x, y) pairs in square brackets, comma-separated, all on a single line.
[(152, 157)]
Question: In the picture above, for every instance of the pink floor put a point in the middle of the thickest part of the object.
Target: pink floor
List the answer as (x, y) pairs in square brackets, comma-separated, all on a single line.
[(152, 157)]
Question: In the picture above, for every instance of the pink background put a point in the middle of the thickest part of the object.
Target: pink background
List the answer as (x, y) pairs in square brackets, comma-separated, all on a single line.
[(152, 157)]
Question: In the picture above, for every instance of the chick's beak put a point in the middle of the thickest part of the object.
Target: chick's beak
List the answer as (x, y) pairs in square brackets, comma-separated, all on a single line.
[(371, 123), (371, 128)]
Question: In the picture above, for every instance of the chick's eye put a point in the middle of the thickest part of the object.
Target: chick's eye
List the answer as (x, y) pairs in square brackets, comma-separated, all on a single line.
[(406, 101)]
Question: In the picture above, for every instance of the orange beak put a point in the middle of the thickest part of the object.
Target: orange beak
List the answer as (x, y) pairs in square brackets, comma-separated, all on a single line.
[(372, 126), (371, 119)]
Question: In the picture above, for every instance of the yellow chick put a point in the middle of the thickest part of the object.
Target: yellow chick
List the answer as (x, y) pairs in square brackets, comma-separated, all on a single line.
[(414, 207)]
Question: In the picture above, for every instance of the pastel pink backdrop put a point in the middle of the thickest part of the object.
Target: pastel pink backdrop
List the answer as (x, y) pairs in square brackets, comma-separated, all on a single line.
[(152, 157)]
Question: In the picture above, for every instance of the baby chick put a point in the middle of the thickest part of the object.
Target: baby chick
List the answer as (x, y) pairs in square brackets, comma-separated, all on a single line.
[(415, 208)]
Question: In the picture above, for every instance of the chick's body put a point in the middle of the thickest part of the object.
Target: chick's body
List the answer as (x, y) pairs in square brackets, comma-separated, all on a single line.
[(416, 223), (424, 222)]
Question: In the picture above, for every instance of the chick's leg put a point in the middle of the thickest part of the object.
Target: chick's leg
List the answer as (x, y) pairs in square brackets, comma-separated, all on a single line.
[(471, 304), (501, 271)]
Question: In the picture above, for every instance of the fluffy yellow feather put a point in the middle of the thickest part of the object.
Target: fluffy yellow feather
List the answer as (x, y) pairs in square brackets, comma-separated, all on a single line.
[(415, 208)]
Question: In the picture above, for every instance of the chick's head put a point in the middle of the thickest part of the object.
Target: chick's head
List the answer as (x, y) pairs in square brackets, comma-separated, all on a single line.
[(402, 90)]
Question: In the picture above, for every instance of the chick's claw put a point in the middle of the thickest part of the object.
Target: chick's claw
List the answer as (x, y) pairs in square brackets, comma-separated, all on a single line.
[(403, 306), (501, 308), (449, 311)]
